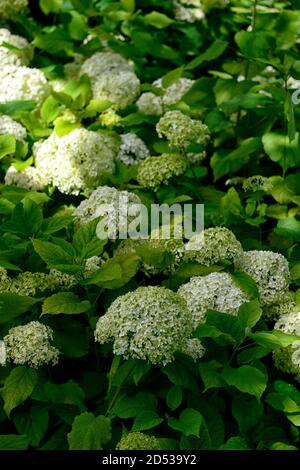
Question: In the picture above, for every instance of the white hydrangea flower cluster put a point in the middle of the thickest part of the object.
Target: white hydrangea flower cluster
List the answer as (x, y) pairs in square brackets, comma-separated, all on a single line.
[(30, 178), (112, 78), (288, 359), (92, 265), (30, 344), (257, 183), (132, 149), (10, 56), (2, 354), (149, 103), (286, 305), (23, 83), (9, 126), (138, 441), (9, 8), (117, 207), (216, 291), (181, 131), (77, 161), (151, 323), (155, 171), (212, 246), (29, 284), (188, 11), (269, 270)]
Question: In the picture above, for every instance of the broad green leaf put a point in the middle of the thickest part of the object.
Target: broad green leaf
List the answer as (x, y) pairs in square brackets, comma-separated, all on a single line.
[(212, 52), (50, 6), (210, 373), (224, 162), (12, 305), (16, 108), (68, 393), (235, 443), (247, 411), (249, 313), (255, 44), (246, 283), (18, 386), (14, 442), (273, 339), (158, 20), (50, 110), (33, 422), (7, 145), (89, 432), (174, 397), (65, 302), (26, 219), (131, 407), (289, 228), (146, 420), (115, 272), (189, 423), (86, 242), (55, 256), (247, 379), (281, 150)]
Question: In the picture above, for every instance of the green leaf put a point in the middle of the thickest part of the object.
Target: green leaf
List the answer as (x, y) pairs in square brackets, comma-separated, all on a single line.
[(12, 305), (65, 302), (221, 326), (89, 432), (158, 20), (68, 393), (281, 150), (247, 379), (254, 44), (174, 397), (212, 52), (50, 110), (146, 420), (289, 228), (115, 272), (16, 108), (18, 386), (133, 406), (189, 422), (235, 443), (7, 145), (33, 422), (249, 313), (14, 442), (86, 242), (247, 411), (128, 5), (26, 219), (224, 162), (50, 6), (55, 256), (210, 373), (246, 283), (273, 339)]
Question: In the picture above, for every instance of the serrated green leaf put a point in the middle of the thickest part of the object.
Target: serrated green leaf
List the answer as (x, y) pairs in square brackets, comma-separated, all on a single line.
[(65, 302), (18, 386), (89, 432)]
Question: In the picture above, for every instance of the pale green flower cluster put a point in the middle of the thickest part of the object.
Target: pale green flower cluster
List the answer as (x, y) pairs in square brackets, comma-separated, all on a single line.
[(132, 149), (150, 323), (286, 305), (92, 265), (216, 291), (150, 103), (269, 270), (188, 11), (23, 84), (30, 345), (257, 183), (30, 178), (181, 131), (138, 441), (155, 171), (21, 55), (212, 246), (112, 79), (9, 126), (10, 8), (77, 161), (2, 354), (30, 284), (117, 207), (288, 359)]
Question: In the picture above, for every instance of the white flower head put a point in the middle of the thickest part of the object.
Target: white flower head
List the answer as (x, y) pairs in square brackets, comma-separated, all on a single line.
[(23, 83), (269, 270), (30, 344), (288, 359), (132, 149), (77, 161), (216, 291), (30, 178), (19, 56), (151, 323), (155, 171), (9, 126)]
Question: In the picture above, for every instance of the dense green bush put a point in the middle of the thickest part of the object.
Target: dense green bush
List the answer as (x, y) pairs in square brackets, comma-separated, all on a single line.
[(180, 101)]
